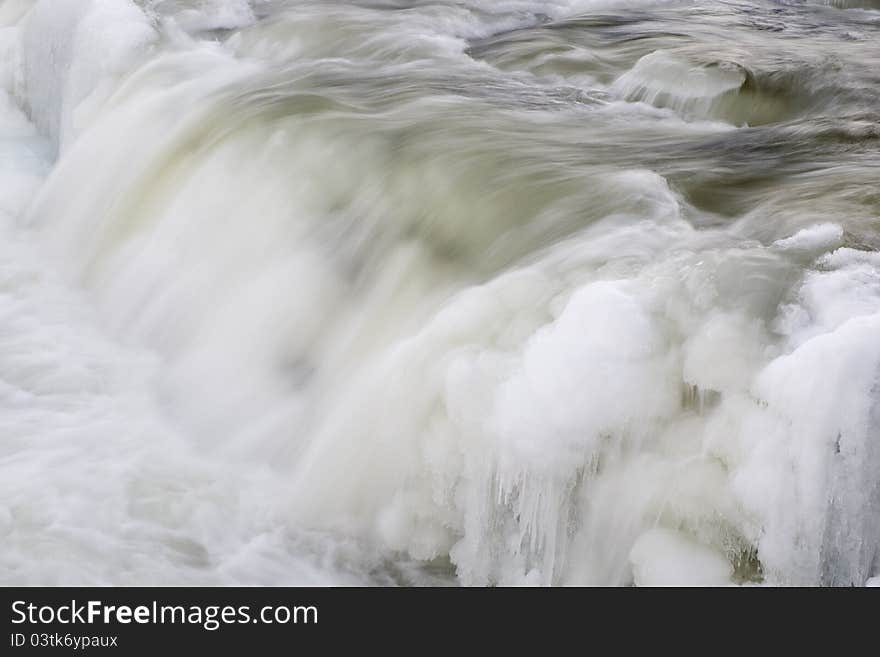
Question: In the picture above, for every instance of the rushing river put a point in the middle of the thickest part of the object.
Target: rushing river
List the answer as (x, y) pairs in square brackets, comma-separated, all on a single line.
[(439, 292)]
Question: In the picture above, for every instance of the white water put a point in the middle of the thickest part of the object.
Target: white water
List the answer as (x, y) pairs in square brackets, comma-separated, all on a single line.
[(520, 292)]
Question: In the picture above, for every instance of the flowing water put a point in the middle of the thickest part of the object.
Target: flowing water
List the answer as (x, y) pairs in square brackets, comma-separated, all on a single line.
[(437, 292)]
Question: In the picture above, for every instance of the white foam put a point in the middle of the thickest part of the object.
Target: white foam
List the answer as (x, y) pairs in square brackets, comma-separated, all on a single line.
[(818, 238), (662, 557), (203, 15)]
